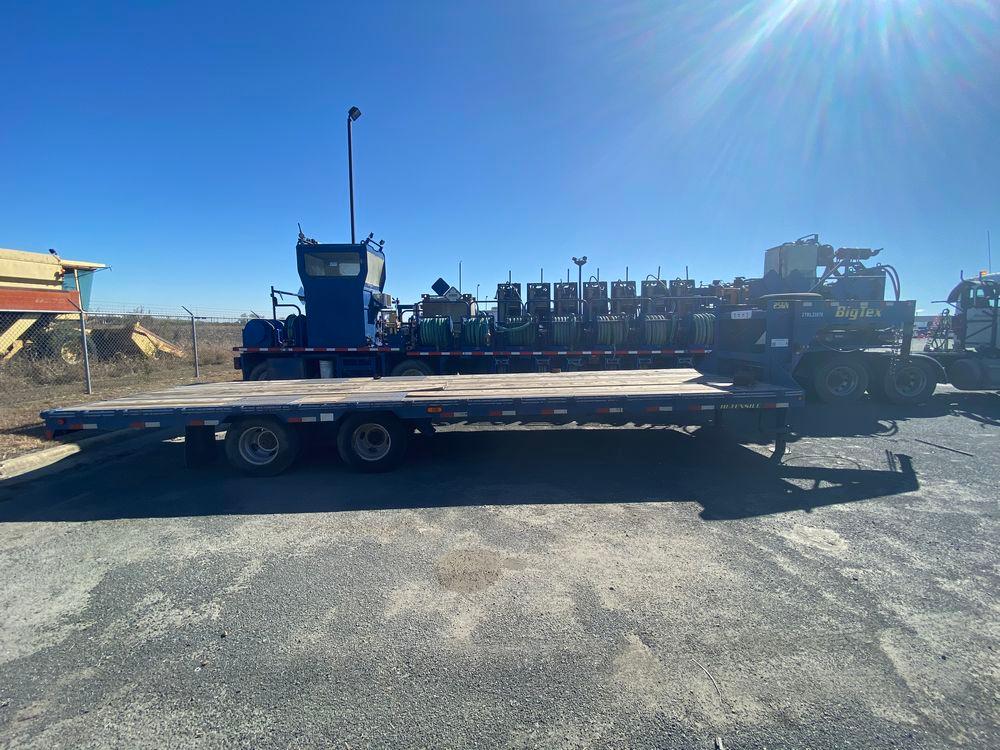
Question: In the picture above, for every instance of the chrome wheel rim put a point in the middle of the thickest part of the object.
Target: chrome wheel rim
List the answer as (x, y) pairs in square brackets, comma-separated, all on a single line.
[(842, 380), (371, 442), (258, 446)]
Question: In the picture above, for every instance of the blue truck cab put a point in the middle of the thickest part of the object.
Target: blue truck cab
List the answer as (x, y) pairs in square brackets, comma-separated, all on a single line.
[(343, 284)]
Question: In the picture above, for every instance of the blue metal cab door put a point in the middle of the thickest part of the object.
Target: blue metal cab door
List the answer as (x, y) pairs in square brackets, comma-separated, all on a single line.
[(333, 279)]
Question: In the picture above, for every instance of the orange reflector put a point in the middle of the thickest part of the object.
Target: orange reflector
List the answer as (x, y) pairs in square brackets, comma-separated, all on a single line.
[(434, 409)]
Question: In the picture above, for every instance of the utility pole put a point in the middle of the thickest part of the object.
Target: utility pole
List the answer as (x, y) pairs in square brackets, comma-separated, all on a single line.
[(580, 263), (352, 114)]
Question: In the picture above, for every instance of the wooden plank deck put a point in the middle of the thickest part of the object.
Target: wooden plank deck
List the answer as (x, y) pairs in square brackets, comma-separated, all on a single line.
[(604, 384)]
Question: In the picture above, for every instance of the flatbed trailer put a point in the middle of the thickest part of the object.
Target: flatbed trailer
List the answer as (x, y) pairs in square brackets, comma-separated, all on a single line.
[(372, 419)]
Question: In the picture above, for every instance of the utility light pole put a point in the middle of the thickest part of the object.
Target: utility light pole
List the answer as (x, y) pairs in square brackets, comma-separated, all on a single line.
[(580, 263), (352, 114)]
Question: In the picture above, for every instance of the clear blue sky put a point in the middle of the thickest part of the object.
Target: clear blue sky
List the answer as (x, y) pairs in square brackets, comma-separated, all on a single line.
[(181, 142)]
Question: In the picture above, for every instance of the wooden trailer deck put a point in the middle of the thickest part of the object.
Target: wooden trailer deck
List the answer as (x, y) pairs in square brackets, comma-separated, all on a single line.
[(294, 395)]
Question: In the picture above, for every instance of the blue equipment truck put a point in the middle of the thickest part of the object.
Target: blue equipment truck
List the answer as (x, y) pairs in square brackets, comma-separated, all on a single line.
[(373, 418), (819, 312), (351, 327)]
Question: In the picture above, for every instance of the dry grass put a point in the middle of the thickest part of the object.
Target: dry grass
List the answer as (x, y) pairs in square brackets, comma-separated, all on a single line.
[(30, 384), (21, 401)]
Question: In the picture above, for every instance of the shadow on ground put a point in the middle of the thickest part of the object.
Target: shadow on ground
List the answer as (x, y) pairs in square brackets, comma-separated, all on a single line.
[(470, 467), (870, 417)]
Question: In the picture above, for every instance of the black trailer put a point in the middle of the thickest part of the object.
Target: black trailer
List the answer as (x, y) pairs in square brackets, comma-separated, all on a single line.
[(372, 419)]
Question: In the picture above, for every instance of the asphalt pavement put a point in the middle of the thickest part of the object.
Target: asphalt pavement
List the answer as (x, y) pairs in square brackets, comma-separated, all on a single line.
[(550, 587)]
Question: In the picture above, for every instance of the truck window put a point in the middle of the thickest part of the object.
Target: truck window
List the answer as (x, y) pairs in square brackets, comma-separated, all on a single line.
[(375, 265), (332, 264)]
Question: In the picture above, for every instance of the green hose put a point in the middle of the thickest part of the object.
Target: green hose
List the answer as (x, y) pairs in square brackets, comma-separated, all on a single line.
[(518, 331), (612, 330), (566, 331), (702, 329), (436, 332), (476, 332), (659, 330)]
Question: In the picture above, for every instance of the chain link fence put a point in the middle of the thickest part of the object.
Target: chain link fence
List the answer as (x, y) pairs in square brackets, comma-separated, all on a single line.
[(58, 359)]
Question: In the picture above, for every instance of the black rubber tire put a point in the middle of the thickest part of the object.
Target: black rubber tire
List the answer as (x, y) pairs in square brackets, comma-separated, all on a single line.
[(909, 383), (262, 371), (411, 368), (285, 446), (966, 374), (63, 344), (382, 429), (840, 379)]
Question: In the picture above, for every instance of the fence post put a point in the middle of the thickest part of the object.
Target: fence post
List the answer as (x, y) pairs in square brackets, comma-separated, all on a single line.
[(194, 343), (86, 352)]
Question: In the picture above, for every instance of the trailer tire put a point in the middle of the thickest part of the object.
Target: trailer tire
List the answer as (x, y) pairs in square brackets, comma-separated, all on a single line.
[(411, 368), (262, 371), (372, 442), (261, 447), (909, 383), (840, 379)]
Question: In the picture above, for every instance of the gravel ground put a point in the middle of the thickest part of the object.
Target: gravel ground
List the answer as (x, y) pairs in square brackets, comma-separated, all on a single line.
[(529, 588)]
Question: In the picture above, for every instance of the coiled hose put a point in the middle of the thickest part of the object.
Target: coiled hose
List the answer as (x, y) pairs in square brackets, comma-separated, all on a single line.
[(476, 332), (518, 331), (702, 329), (566, 331), (659, 330), (436, 332), (612, 330)]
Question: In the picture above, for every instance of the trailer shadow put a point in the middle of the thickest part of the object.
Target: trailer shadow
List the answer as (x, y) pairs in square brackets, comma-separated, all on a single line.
[(872, 418), (475, 467)]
